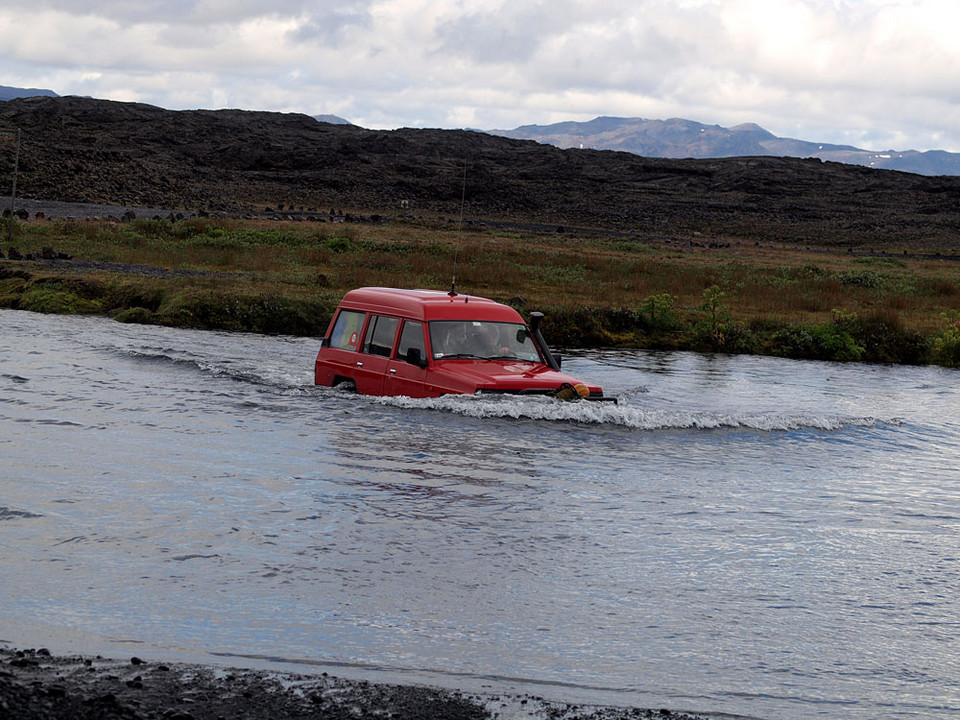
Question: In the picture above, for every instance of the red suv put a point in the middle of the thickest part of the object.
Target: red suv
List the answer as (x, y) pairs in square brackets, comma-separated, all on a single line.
[(422, 343)]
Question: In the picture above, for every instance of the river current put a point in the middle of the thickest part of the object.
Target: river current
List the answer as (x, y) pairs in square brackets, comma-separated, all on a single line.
[(753, 536)]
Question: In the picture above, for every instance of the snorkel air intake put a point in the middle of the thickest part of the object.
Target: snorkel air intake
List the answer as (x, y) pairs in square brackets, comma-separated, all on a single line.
[(535, 319)]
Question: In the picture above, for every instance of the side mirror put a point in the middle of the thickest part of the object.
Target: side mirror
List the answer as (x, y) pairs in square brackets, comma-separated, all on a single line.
[(324, 342), (414, 357), (556, 356), (521, 335)]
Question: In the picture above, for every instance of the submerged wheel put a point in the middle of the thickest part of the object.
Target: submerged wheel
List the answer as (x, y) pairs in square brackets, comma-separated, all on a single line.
[(345, 385)]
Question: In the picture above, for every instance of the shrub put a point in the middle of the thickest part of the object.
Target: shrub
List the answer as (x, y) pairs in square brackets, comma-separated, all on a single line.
[(884, 339), (738, 338), (657, 313), (576, 327), (946, 346), (868, 279), (714, 329), (823, 341), (339, 244), (137, 315), (621, 319)]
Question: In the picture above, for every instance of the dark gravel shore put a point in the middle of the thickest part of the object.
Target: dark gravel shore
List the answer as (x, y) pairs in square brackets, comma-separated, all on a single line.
[(35, 685)]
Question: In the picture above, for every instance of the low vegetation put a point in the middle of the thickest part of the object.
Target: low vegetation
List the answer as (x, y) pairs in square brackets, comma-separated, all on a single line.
[(287, 277)]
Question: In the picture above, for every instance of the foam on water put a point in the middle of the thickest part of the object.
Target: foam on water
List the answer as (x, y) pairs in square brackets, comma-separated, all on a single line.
[(625, 415), (282, 373), (287, 376)]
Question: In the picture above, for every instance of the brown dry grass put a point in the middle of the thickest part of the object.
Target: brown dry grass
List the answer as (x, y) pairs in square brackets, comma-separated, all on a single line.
[(761, 285)]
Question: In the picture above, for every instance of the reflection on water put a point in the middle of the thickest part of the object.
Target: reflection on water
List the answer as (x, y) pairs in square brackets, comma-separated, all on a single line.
[(747, 535)]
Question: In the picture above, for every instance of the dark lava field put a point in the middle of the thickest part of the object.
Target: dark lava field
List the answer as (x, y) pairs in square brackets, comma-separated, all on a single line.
[(235, 161)]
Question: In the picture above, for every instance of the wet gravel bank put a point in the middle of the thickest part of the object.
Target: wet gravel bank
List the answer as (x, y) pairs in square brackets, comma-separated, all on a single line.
[(35, 685)]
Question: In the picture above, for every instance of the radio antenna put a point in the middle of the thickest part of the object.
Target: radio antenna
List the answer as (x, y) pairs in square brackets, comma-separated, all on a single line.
[(456, 248)]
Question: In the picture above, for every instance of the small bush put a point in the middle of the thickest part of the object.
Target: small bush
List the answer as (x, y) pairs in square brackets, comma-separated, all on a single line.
[(738, 338), (339, 245), (621, 319), (136, 315), (580, 326), (822, 341), (884, 339), (804, 273), (713, 330), (946, 346), (868, 279), (657, 313)]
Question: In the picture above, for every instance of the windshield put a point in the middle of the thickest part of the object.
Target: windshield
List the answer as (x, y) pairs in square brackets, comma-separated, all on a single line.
[(481, 339)]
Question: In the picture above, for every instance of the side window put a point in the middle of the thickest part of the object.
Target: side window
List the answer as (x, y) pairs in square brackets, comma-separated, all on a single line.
[(380, 335), (346, 331), (411, 337)]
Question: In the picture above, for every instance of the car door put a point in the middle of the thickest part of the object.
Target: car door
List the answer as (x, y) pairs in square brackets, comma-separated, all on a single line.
[(378, 343), (406, 371)]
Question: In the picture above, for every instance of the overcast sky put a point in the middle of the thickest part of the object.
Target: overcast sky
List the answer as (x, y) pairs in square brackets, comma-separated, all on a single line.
[(878, 74)]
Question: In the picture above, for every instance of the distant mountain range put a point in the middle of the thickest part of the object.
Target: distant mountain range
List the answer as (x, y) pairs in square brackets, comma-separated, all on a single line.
[(678, 138), (9, 93), (332, 119)]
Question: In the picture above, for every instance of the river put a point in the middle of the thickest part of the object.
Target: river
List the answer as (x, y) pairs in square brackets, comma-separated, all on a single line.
[(754, 536)]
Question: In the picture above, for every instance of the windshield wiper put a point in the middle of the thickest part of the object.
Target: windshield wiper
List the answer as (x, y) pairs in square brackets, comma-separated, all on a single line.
[(473, 356)]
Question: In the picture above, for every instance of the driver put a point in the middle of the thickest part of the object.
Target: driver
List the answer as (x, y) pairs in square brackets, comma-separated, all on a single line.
[(493, 345)]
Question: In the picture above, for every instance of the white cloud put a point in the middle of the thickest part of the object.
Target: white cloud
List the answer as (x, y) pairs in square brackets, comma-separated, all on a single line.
[(859, 71)]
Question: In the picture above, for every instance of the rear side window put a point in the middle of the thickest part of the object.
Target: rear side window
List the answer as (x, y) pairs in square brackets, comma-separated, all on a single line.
[(346, 331), (380, 335)]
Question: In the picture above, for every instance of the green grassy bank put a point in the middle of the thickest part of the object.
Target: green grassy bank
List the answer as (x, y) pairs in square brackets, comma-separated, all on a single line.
[(597, 291)]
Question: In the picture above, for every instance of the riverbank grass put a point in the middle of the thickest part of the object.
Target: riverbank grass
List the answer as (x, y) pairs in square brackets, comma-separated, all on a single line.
[(287, 277)]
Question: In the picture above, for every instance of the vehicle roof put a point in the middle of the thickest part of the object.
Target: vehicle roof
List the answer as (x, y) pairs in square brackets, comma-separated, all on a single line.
[(428, 305)]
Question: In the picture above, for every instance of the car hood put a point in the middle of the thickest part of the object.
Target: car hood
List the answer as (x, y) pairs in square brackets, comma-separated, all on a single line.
[(505, 375)]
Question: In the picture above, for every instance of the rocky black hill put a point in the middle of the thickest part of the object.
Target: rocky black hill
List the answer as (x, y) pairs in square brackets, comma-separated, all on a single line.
[(97, 151)]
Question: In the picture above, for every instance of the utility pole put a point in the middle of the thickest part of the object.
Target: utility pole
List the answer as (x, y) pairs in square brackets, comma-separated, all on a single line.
[(10, 134)]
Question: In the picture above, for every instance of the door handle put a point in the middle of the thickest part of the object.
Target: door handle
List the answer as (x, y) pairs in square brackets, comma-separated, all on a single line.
[(359, 363), (393, 371)]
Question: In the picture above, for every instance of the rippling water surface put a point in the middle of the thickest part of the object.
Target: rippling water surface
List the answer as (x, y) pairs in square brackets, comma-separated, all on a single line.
[(746, 535)]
